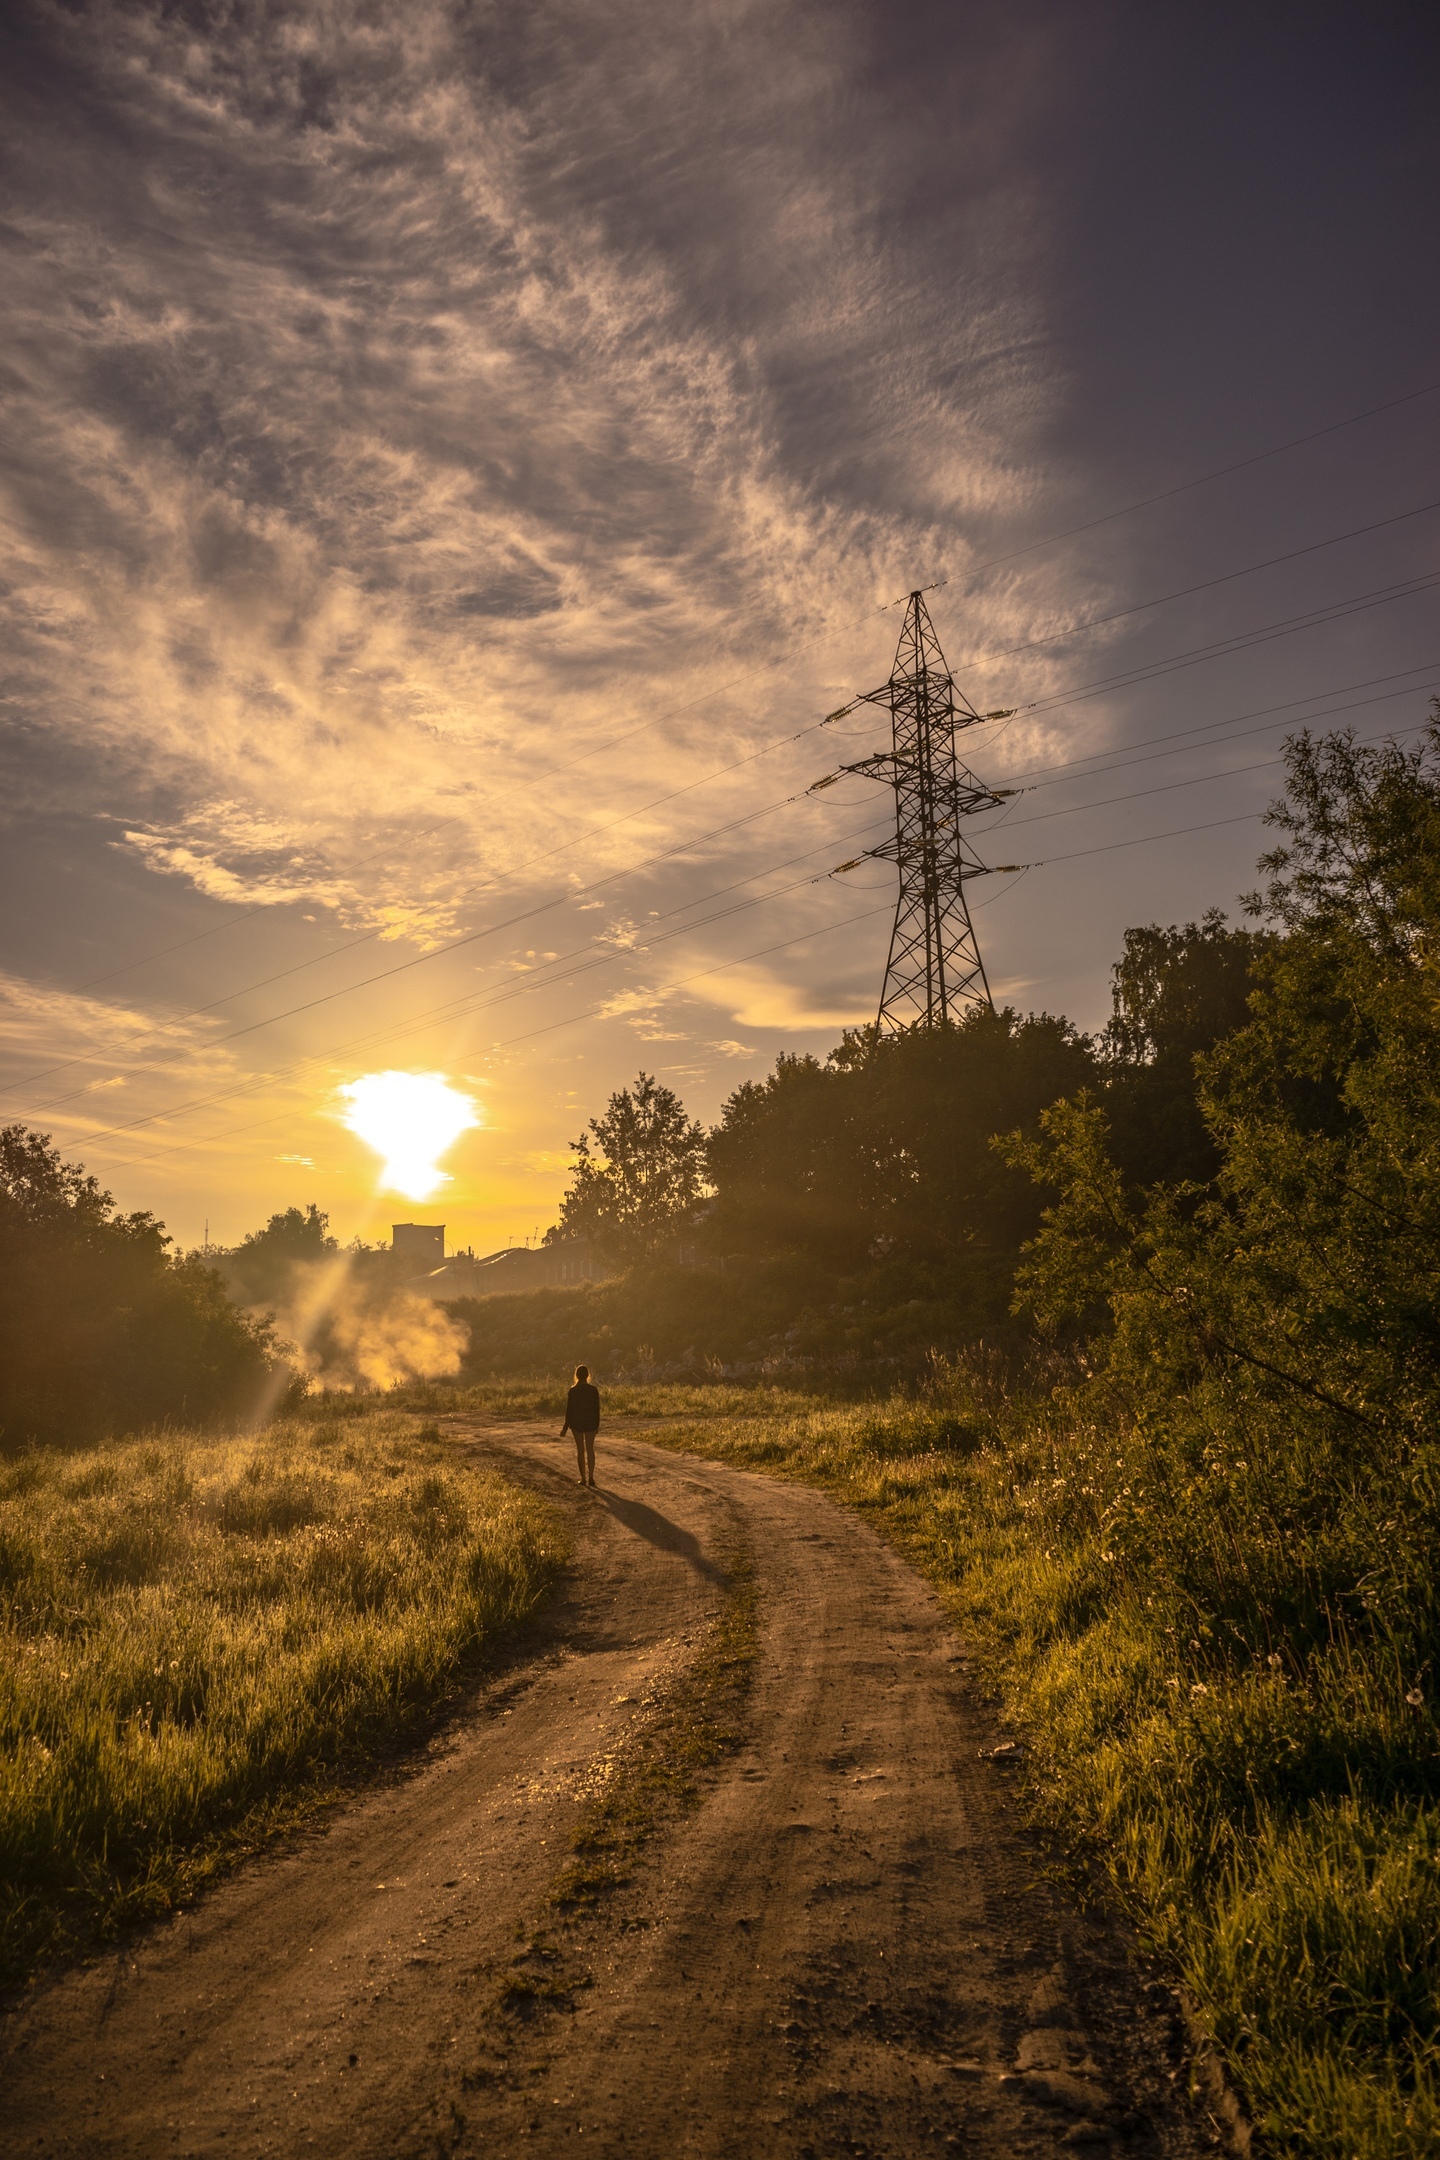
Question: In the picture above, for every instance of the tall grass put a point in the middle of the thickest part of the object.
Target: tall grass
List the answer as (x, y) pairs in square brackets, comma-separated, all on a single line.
[(1261, 1781), (198, 1637), (544, 1396)]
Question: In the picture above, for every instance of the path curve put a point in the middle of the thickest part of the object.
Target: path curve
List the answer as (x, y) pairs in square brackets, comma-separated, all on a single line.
[(845, 1948)]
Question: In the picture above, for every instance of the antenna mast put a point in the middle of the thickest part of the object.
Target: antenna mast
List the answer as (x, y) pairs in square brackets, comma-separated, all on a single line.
[(934, 971)]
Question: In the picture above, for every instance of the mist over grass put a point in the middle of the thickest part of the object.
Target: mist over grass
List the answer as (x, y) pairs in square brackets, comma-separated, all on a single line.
[(201, 1637)]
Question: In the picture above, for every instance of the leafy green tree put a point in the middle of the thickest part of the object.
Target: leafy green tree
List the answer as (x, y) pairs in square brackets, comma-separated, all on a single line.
[(641, 1180), (1276, 1343), (883, 1153), (101, 1330), (1177, 993), (777, 1162)]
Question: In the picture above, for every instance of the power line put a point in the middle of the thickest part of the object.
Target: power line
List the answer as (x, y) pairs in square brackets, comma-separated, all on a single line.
[(1246, 817), (481, 999), (1069, 532), (1058, 776), (571, 1020), (418, 1026), (452, 1009), (974, 570), (1221, 472), (1109, 847), (1054, 701), (1032, 773), (1243, 641), (1166, 787), (749, 674), (262, 907), (577, 892), (1048, 703), (1184, 592)]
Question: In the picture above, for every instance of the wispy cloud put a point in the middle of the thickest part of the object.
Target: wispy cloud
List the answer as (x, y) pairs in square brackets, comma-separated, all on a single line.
[(61, 1050), (376, 449)]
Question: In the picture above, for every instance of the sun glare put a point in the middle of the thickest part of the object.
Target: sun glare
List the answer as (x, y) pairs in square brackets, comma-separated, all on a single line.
[(410, 1119)]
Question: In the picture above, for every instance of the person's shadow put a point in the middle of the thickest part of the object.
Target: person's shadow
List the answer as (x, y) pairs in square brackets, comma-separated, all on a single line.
[(658, 1530)]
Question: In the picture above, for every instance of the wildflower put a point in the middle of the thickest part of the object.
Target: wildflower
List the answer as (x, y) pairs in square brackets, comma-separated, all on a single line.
[(1415, 1699), (1274, 1659), (1172, 1684), (1198, 1687)]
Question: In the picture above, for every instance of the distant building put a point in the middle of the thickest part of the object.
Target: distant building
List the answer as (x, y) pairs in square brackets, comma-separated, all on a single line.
[(422, 1244), (516, 1267)]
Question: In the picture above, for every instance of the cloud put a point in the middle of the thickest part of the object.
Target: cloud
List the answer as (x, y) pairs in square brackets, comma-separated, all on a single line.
[(642, 1010), (755, 998), (74, 1028), (386, 431)]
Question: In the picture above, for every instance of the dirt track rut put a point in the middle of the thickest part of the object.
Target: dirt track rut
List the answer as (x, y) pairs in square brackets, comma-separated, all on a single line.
[(844, 1949)]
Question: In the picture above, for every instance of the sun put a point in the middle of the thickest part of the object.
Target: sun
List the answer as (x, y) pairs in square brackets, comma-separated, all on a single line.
[(410, 1119)]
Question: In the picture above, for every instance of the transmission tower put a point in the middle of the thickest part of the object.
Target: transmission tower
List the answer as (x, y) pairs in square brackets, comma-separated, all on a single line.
[(934, 971)]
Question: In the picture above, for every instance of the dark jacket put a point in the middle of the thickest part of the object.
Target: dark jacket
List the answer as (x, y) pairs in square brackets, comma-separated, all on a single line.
[(582, 1408)]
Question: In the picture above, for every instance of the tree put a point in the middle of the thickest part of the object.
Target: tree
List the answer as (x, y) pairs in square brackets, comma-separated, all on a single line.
[(1276, 1342), (883, 1152), (101, 1330), (1176, 994), (775, 1163), (641, 1181), (262, 1266)]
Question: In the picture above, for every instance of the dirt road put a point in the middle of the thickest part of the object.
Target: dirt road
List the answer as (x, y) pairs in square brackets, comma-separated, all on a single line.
[(842, 1949)]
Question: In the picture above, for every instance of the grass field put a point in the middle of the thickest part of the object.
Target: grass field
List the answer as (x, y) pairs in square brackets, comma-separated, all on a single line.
[(1269, 1817), (200, 1638), (625, 1399)]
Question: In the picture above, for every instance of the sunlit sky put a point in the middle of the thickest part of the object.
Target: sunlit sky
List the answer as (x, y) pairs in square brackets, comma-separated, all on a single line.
[(456, 453)]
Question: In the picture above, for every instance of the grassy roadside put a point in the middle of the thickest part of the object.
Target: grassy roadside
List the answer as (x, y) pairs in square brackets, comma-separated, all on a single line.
[(200, 1637), (545, 1397), (1270, 1825)]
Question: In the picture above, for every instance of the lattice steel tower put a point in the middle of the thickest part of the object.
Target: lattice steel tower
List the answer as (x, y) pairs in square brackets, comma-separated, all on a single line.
[(934, 970)]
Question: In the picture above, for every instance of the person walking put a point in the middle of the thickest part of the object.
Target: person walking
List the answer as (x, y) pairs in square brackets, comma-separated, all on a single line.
[(582, 1418)]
